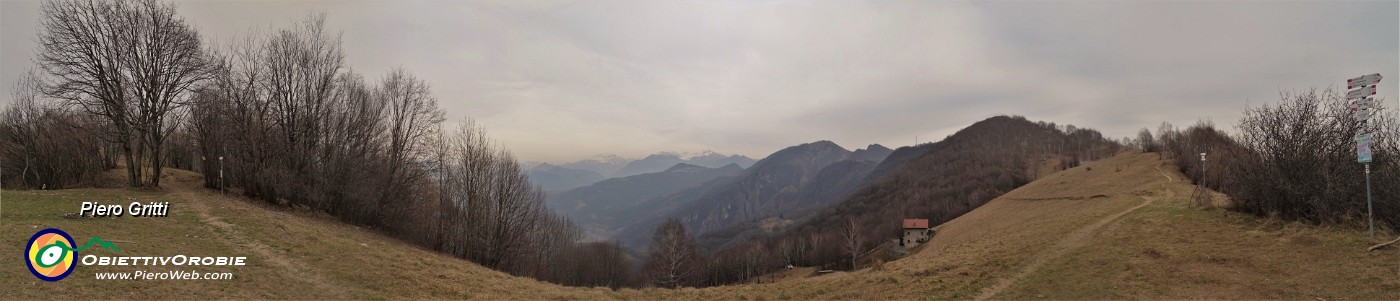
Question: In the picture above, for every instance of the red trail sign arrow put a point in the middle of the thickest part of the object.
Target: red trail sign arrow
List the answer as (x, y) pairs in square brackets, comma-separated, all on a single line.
[(1363, 92), (1364, 80)]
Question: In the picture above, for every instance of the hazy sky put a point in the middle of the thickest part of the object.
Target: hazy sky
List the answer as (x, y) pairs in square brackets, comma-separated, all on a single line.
[(557, 81)]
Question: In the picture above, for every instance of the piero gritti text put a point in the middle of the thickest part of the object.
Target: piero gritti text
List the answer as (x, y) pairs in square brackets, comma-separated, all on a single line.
[(135, 209)]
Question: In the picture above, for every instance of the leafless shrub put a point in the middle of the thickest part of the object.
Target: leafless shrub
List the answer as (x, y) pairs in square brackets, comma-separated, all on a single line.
[(1296, 159), (44, 146), (1305, 160)]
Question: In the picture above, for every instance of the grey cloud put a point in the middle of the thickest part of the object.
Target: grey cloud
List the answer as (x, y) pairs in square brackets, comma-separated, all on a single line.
[(557, 81), (1179, 61)]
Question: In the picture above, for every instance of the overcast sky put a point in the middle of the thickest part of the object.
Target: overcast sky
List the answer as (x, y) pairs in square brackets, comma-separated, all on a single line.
[(559, 81)]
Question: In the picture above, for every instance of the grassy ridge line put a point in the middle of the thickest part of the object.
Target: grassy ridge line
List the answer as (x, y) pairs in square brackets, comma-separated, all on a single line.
[(1171, 250), (1163, 250)]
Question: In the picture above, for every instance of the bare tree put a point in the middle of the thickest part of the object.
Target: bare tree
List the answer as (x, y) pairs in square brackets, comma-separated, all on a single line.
[(851, 240), (294, 125), (511, 215), (788, 250), (413, 116), (493, 215), (23, 122), (131, 62), (302, 68), (553, 238), (81, 49), (1145, 141), (470, 169), (813, 242), (446, 211), (754, 261), (165, 59), (612, 268), (673, 255), (591, 264), (45, 146), (229, 115)]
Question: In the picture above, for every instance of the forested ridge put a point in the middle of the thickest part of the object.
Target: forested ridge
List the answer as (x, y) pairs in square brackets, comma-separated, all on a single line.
[(947, 179)]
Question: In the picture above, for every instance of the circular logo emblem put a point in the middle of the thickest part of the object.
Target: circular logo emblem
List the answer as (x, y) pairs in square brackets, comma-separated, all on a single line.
[(50, 254)]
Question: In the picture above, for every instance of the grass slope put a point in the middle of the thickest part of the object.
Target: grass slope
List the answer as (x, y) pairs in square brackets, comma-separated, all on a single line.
[(1122, 229), (291, 254)]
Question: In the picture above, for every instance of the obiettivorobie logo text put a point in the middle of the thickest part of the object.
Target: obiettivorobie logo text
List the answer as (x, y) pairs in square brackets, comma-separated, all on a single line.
[(51, 256)]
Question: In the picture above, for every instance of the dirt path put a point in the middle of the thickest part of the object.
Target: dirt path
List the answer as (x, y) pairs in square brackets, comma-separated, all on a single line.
[(1072, 241), (199, 200), (1164, 174)]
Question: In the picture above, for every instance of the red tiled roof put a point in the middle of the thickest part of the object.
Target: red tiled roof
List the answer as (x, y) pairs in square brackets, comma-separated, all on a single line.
[(915, 223)]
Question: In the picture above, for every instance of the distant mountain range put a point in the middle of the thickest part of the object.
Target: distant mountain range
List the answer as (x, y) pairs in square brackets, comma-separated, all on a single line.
[(662, 161), (812, 186), (606, 164), (565, 176), (786, 184), (611, 201), (557, 178)]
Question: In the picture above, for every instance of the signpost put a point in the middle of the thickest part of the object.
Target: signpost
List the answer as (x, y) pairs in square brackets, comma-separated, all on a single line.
[(1361, 111), (1364, 80), (1202, 197), (1360, 104), (1362, 93)]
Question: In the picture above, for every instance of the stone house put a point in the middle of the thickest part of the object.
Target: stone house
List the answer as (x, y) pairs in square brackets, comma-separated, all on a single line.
[(916, 232)]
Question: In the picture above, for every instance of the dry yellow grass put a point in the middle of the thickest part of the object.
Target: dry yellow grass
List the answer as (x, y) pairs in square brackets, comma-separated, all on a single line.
[(1072, 235), (1067, 235), (291, 254)]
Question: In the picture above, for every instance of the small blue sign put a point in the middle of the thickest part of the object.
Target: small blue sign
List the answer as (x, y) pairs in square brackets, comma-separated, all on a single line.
[(1363, 148)]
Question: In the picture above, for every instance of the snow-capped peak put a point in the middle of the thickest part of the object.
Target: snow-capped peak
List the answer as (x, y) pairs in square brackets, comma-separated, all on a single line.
[(693, 155)]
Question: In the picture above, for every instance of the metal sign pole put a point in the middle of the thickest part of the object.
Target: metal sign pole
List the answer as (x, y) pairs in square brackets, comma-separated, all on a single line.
[(221, 175), (1370, 215), (1364, 86)]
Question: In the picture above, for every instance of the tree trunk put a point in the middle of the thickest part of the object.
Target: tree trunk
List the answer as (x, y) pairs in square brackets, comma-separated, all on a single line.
[(133, 174), (155, 166)]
